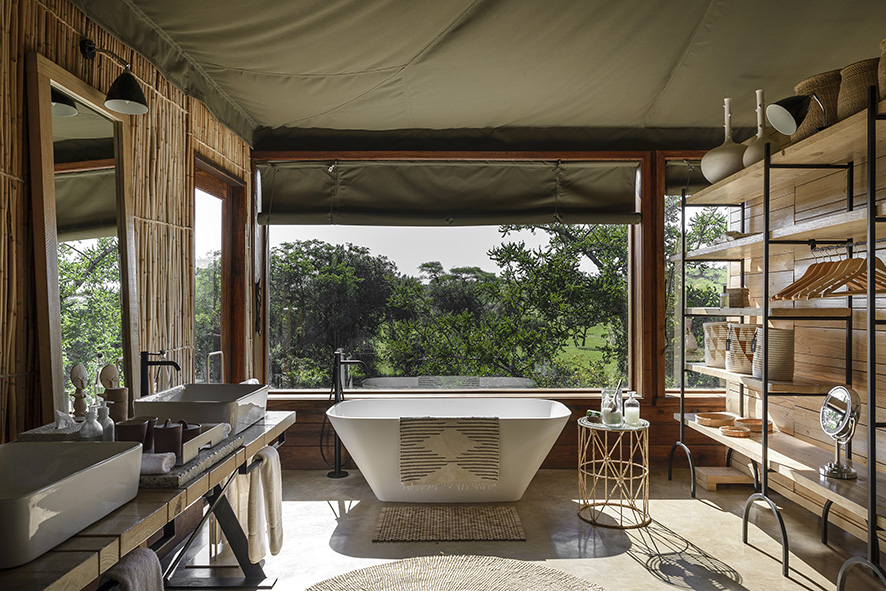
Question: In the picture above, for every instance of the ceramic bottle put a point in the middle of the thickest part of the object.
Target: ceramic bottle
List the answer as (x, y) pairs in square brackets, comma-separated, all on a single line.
[(91, 430), (754, 151), (725, 159)]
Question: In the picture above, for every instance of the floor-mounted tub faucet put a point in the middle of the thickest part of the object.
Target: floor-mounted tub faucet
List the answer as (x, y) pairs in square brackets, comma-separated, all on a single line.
[(148, 362), (339, 366)]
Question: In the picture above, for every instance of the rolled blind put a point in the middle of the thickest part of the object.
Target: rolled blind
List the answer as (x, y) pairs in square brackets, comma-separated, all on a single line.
[(86, 204), (441, 193)]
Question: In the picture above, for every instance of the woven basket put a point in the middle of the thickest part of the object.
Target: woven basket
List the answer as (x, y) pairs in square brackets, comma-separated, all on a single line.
[(715, 344), (739, 355), (827, 86), (781, 354), (881, 70), (855, 81)]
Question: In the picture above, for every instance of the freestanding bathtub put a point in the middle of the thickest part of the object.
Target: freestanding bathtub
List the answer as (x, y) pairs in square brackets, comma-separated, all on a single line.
[(370, 431)]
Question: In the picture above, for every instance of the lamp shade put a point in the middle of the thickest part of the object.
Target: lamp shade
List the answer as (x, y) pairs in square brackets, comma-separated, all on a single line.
[(126, 96), (62, 104), (787, 114)]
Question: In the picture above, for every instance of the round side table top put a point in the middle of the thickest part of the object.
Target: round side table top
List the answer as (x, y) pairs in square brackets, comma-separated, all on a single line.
[(584, 422)]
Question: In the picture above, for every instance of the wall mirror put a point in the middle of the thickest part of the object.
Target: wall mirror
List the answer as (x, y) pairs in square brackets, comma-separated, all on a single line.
[(83, 232), (839, 417)]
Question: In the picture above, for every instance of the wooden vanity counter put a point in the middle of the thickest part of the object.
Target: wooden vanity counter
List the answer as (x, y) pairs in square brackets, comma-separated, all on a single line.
[(72, 565)]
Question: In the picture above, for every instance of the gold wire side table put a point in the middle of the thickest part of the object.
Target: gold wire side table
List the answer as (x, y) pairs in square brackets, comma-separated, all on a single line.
[(613, 474)]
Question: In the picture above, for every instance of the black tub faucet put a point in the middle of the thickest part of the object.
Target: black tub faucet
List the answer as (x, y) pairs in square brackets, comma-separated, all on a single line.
[(148, 362)]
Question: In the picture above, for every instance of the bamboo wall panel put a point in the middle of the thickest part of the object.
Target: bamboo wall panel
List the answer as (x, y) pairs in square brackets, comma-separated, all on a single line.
[(164, 143)]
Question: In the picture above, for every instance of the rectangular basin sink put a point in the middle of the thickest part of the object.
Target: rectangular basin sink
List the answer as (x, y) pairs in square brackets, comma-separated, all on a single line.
[(50, 491), (238, 404)]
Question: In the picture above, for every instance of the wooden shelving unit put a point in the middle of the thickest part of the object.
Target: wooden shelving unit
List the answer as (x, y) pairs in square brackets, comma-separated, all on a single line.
[(829, 151), (749, 381)]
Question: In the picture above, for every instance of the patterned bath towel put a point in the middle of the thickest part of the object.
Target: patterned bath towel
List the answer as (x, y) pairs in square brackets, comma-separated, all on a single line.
[(449, 451)]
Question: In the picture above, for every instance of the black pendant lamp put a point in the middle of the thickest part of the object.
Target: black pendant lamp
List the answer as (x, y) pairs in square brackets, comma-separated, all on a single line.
[(62, 104), (125, 95), (786, 115)]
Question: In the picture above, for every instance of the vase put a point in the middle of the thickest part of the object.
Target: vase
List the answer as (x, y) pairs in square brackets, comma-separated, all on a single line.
[(725, 159), (754, 151), (855, 79)]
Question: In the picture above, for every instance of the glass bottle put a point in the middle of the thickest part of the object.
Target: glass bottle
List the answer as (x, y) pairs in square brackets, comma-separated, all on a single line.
[(632, 410)]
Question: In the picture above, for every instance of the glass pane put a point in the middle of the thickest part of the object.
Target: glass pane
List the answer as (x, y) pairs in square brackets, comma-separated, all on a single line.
[(498, 306), (704, 282), (207, 284), (89, 291)]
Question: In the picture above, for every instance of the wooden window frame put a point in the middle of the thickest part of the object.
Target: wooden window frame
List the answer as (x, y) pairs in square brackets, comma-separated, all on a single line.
[(234, 263)]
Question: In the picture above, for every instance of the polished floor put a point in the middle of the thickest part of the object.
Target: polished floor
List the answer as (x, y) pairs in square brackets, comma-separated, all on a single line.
[(690, 544)]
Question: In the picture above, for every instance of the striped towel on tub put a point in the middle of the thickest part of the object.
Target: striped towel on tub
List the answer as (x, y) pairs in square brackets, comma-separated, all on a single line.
[(449, 451)]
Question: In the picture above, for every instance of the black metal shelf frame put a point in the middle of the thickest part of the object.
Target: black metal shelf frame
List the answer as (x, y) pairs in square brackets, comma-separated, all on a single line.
[(761, 479)]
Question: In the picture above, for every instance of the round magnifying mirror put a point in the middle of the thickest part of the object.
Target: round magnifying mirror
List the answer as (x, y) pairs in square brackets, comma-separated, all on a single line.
[(839, 416)]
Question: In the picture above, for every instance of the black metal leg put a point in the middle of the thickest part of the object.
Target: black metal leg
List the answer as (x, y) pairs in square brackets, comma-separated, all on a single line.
[(824, 521), (784, 532), (876, 568), (729, 456), (756, 476), (691, 465)]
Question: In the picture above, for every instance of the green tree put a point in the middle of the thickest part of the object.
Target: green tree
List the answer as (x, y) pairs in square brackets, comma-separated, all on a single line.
[(207, 314), (323, 297), (703, 280), (90, 304)]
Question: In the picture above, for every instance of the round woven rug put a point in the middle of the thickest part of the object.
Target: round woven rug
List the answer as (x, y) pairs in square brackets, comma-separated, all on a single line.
[(456, 573)]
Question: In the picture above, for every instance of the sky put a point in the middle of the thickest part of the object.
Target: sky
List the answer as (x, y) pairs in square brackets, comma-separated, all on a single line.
[(407, 246)]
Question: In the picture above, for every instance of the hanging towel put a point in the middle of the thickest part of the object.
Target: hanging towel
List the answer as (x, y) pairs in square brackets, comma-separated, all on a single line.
[(265, 506), (272, 484), (137, 571)]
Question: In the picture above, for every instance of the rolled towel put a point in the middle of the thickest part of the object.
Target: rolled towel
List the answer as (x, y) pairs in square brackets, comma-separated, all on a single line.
[(157, 463), (137, 571)]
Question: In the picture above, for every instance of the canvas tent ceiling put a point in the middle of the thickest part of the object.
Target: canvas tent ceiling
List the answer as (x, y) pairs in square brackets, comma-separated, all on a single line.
[(632, 74)]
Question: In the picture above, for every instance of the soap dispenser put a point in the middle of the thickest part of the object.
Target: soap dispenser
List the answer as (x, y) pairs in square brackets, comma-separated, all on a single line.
[(91, 430), (105, 421)]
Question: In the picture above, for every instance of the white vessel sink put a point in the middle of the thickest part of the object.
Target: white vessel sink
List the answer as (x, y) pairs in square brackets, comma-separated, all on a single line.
[(238, 404), (50, 491)]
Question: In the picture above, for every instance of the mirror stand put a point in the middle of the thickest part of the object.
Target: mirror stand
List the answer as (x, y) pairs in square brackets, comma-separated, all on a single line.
[(837, 469)]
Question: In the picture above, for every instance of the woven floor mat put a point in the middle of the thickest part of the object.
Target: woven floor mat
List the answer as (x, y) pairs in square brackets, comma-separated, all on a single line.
[(432, 523), (456, 573)]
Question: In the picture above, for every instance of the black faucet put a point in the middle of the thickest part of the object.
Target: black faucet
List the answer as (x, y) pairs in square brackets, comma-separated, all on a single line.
[(147, 362), (339, 369)]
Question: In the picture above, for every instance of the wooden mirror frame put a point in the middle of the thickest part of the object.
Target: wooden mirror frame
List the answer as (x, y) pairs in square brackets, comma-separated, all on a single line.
[(42, 75)]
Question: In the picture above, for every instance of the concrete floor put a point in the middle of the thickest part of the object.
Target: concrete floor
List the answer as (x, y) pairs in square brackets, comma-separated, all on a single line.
[(691, 543)]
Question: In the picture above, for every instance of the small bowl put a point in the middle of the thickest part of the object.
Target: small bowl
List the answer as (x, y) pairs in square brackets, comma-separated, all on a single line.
[(754, 425), (714, 419), (733, 431)]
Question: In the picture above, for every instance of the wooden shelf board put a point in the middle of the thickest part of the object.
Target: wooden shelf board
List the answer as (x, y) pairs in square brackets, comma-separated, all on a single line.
[(799, 461), (842, 142), (824, 313), (753, 383)]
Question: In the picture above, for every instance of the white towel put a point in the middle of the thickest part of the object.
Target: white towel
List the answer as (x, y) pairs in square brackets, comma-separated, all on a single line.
[(272, 483), (157, 463), (265, 506), (137, 571)]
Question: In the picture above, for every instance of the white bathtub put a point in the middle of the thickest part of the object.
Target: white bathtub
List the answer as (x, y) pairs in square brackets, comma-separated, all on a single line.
[(369, 429)]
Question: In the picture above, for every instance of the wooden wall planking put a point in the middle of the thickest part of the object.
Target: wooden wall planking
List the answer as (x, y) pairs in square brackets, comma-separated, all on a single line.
[(165, 142), (819, 346)]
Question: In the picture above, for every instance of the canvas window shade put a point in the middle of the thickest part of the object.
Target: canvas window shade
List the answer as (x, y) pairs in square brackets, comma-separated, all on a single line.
[(86, 204), (441, 193)]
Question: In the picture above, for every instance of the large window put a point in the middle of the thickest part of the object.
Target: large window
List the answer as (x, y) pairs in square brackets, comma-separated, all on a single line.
[(704, 279), (483, 306)]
